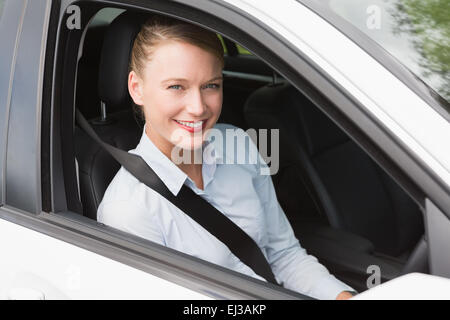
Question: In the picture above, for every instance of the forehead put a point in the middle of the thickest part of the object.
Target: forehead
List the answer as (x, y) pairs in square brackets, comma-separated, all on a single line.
[(182, 60)]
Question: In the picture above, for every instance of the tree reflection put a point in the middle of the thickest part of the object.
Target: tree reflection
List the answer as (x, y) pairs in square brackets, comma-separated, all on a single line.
[(428, 22)]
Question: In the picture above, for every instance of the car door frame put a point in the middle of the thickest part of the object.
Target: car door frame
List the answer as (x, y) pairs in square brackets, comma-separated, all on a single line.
[(184, 270), (362, 138)]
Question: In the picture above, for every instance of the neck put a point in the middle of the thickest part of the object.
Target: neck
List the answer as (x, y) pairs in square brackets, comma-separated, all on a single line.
[(192, 168)]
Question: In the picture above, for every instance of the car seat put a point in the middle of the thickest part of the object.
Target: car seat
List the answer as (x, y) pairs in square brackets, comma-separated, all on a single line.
[(117, 125), (343, 184)]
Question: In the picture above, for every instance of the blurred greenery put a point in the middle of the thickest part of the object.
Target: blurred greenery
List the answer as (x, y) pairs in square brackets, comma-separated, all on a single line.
[(223, 43), (2, 2), (428, 21), (241, 49)]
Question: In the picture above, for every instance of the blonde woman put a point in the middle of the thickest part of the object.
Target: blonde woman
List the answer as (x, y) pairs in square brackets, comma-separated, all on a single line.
[(176, 79)]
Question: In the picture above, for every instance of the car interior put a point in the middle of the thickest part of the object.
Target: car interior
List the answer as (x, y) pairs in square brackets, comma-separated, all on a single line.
[(344, 208)]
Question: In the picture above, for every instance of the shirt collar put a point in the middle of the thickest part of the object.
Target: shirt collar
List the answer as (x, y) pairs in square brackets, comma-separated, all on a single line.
[(171, 175)]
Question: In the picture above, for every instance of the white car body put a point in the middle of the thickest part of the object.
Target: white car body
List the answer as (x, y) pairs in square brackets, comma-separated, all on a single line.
[(40, 266)]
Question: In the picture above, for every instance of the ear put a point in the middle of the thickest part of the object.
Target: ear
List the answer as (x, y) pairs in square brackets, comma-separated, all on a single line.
[(135, 88)]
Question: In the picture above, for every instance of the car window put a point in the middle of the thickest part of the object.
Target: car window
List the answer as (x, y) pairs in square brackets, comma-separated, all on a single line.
[(225, 51), (2, 2), (242, 107), (415, 32), (105, 16), (242, 50)]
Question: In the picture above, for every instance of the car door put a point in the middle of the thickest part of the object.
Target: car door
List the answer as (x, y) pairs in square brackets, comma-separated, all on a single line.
[(36, 265), (409, 41), (64, 255), (419, 125), (51, 252)]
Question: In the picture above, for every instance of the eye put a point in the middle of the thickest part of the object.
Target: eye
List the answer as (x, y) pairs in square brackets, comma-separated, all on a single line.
[(175, 86), (212, 86)]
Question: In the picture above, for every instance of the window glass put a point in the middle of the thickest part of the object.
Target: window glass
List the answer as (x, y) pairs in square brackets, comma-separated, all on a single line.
[(238, 92), (105, 16), (416, 32), (3, 86), (223, 44), (242, 50), (2, 3)]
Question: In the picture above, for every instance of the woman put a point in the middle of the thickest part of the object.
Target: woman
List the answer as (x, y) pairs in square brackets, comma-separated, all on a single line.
[(176, 79)]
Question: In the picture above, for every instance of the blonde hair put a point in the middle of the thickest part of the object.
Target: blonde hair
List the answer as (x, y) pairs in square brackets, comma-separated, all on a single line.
[(161, 28)]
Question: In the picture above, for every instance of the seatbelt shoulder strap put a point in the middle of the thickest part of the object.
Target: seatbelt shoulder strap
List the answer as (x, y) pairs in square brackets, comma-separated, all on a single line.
[(201, 211)]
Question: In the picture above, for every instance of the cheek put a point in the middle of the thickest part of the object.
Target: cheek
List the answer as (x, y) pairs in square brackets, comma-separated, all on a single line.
[(161, 106), (214, 102)]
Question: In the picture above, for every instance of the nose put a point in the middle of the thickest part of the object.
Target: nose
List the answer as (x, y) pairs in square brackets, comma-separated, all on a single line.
[(196, 105)]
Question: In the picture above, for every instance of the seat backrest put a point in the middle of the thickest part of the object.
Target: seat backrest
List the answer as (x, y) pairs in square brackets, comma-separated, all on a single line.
[(97, 167), (354, 193)]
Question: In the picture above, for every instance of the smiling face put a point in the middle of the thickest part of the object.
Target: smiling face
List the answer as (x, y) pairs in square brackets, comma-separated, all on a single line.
[(180, 90)]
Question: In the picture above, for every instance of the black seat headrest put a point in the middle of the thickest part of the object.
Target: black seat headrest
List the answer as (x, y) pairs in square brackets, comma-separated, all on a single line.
[(114, 60)]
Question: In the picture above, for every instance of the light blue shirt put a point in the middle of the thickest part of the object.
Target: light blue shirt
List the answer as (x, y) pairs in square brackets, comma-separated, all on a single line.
[(240, 192)]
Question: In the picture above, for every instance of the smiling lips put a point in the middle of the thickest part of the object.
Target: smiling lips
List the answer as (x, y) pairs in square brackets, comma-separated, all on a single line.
[(191, 126)]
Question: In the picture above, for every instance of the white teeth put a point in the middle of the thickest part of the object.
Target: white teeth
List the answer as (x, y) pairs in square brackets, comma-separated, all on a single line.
[(191, 124)]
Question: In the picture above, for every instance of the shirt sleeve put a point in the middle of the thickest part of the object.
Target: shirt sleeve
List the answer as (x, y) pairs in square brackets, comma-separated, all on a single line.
[(130, 217), (292, 266)]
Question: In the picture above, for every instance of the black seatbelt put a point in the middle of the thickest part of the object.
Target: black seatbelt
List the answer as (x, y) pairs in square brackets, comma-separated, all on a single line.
[(201, 211)]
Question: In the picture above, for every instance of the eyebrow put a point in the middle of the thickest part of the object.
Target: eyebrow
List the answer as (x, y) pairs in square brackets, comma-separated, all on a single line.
[(184, 80)]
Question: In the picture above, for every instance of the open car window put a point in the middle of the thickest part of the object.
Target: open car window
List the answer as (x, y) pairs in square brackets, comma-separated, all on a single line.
[(342, 206)]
